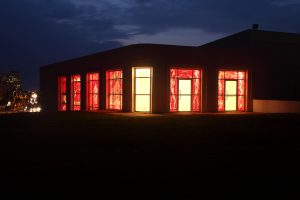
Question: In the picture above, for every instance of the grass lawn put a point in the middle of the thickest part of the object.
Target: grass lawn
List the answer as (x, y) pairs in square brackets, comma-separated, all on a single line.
[(176, 148)]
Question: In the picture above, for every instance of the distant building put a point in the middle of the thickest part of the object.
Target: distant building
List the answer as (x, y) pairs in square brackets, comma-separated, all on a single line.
[(10, 85), (252, 70), (2, 93)]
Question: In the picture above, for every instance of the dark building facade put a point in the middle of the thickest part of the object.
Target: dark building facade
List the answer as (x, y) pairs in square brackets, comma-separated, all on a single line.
[(247, 71)]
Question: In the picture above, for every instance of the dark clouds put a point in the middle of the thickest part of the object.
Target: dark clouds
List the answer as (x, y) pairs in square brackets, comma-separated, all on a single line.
[(216, 16), (37, 32)]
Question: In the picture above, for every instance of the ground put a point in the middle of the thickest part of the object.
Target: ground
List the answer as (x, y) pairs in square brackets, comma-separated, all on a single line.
[(143, 148)]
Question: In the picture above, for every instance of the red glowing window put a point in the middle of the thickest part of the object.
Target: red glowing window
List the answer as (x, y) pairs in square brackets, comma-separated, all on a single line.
[(114, 90), (185, 89), (75, 92), (92, 80), (62, 95), (232, 90)]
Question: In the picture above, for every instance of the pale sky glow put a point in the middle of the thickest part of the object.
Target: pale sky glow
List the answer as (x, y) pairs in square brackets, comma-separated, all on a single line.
[(188, 37)]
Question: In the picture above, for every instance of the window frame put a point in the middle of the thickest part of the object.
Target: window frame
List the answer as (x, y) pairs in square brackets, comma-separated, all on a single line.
[(89, 93), (62, 93), (134, 94), (75, 107), (108, 89), (221, 101), (175, 78)]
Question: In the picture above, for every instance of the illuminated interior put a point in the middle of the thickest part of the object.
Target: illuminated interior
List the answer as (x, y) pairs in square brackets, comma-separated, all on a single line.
[(75, 92), (232, 90), (230, 95), (92, 91), (142, 89), (114, 89), (185, 90), (62, 95)]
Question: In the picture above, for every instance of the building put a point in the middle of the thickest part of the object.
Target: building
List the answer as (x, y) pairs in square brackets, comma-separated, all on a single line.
[(252, 70), (10, 85), (3, 96)]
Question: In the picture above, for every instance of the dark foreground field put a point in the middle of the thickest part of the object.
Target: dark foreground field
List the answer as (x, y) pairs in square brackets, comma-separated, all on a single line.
[(113, 148)]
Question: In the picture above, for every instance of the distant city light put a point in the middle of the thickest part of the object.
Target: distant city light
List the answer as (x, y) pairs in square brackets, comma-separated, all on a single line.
[(33, 105), (33, 98), (34, 95), (8, 103), (35, 109)]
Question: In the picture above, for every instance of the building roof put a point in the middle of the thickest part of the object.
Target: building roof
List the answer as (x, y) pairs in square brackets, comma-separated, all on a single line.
[(251, 38), (158, 53), (137, 51)]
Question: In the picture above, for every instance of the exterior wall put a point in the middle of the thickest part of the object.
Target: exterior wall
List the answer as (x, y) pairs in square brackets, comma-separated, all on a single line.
[(211, 90), (276, 74), (127, 89), (83, 98), (161, 89), (160, 85), (48, 90), (102, 91), (275, 106), (272, 74), (68, 94)]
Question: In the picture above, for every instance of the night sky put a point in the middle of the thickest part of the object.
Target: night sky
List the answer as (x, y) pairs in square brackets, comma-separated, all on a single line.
[(38, 32)]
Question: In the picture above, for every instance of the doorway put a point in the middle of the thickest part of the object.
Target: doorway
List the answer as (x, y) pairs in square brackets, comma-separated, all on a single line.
[(185, 89), (185, 92), (230, 95), (232, 90)]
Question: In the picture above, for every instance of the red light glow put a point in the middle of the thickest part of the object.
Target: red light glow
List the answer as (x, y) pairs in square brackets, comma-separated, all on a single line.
[(240, 77), (92, 91), (75, 92), (195, 94), (114, 89), (62, 96)]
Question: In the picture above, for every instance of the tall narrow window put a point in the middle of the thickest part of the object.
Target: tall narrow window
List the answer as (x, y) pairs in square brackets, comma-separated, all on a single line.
[(114, 90), (142, 88), (75, 92), (185, 90), (62, 95), (92, 91), (232, 90)]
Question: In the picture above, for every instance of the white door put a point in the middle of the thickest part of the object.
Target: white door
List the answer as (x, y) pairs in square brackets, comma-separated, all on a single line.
[(230, 95), (184, 96)]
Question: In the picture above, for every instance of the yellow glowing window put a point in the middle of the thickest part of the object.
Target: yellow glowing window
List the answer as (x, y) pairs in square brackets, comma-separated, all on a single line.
[(230, 95), (142, 88)]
